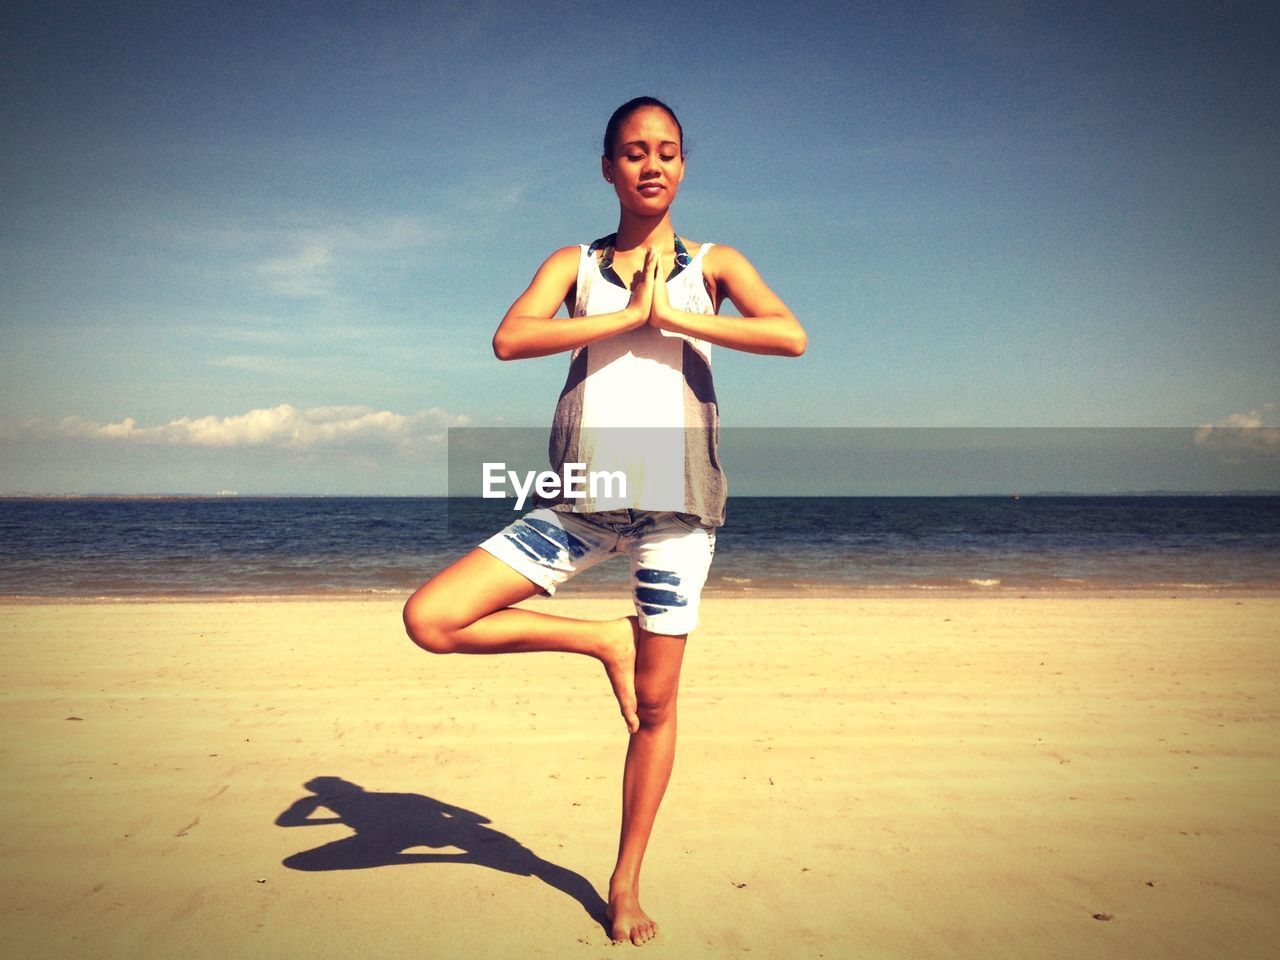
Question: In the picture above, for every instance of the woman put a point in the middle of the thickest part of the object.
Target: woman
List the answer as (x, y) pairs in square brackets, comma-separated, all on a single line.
[(640, 360)]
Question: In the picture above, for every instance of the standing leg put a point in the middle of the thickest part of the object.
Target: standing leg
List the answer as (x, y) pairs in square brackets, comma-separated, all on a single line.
[(650, 755)]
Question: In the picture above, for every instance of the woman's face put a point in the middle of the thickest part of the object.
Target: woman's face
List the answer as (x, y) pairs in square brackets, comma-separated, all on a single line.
[(647, 167)]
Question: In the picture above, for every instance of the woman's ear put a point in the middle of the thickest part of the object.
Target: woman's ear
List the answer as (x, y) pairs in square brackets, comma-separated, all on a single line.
[(606, 168)]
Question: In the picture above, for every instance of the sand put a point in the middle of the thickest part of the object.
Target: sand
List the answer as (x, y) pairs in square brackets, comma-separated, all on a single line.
[(930, 777)]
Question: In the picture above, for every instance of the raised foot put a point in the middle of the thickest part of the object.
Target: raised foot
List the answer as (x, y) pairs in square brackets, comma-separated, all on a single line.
[(619, 659), (628, 922)]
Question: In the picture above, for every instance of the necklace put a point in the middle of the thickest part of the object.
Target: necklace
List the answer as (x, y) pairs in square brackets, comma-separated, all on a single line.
[(604, 256)]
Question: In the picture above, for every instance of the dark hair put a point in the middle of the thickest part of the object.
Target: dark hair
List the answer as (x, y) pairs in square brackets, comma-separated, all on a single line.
[(627, 109)]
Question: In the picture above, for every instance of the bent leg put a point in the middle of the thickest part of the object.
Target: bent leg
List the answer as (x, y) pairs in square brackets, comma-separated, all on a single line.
[(650, 757), (467, 608)]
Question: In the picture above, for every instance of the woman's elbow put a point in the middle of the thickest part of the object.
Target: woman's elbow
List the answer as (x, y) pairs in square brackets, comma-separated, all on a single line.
[(796, 343), (503, 348)]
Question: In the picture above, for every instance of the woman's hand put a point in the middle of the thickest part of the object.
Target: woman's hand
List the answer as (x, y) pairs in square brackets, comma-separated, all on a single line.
[(660, 306), (642, 290), (764, 326)]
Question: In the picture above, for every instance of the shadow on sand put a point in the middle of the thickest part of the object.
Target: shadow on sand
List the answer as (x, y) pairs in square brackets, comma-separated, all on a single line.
[(387, 825)]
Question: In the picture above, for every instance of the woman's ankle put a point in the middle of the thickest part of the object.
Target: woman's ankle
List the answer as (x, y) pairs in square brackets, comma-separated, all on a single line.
[(623, 884)]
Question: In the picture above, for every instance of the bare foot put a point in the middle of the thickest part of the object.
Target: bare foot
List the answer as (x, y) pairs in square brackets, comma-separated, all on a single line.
[(627, 921), (619, 659)]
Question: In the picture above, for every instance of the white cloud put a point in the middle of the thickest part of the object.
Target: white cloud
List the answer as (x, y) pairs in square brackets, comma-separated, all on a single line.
[(254, 363), (284, 427), (301, 274), (307, 259), (1243, 433)]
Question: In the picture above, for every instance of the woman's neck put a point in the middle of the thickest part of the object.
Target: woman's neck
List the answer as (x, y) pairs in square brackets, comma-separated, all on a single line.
[(654, 232)]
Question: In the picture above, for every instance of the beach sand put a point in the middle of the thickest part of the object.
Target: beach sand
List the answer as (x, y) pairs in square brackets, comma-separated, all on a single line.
[(962, 776)]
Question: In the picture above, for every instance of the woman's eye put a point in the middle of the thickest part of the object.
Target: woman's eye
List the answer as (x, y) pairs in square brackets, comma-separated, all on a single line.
[(668, 159), (634, 157)]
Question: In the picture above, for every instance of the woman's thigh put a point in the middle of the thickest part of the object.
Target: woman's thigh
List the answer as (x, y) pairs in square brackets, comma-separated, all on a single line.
[(468, 589), (670, 559)]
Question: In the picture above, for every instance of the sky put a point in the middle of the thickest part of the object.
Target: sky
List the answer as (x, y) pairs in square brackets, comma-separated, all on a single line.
[(264, 247)]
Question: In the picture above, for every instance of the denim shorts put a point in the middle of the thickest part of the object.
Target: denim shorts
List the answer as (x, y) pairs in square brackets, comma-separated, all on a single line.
[(670, 556)]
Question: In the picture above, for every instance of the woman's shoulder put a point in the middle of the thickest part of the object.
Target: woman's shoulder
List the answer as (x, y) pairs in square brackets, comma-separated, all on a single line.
[(719, 259), (558, 273), (562, 261)]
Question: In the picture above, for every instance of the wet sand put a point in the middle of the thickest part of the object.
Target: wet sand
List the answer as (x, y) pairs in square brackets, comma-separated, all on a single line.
[(881, 777)]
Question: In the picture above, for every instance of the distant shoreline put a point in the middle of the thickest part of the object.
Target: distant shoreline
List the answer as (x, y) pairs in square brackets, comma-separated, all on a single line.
[(572, 593), (1045, 494), (216, 548)]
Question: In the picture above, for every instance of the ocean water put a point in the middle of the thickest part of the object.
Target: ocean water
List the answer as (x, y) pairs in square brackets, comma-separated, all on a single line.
[(242, 546)]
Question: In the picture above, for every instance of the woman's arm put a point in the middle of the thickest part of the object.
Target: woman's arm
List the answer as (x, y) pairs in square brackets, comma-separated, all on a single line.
[(530, 329), (766, 325)]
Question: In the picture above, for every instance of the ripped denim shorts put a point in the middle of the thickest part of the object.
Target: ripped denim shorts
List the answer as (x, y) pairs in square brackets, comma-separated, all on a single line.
[(670, 557)]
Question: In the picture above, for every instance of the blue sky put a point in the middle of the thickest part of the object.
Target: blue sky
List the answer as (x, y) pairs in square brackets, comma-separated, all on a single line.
[(264, 247)]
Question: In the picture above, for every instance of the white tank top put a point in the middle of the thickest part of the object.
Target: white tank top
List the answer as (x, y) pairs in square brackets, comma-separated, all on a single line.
[(642, 402)]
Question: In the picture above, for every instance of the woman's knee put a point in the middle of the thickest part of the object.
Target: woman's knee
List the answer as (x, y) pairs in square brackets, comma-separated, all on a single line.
[(655, 708), (658, 677), (426, 626)]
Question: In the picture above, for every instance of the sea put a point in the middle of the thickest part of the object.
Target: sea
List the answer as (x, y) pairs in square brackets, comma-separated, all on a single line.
[(241, 547)]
